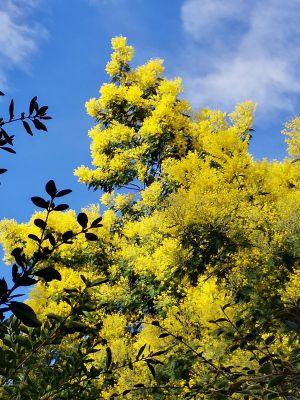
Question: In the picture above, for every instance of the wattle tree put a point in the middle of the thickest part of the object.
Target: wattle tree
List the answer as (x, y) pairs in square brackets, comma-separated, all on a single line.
[(184, 282)]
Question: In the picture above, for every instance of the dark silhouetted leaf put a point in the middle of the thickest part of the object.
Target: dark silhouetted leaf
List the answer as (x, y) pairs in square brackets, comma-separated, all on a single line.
[(151, 369), (91, 236), (32, 105), (27, 127), (18, 254), (98, 282), (45, 117), (64, 192), (8, 149), (140, 352), (163, 335), (8, 138), (67, 235), (226, 306), (51, 239), (220, 320), (48, 274), (1, 93), (40, 223), (14, 273), (270, 339), (39, 125), (82, 219), (2, 170), (26, 281), (239, 322), (51, 188), (160, 352), (11, 110), (40, 202), (61, 207), (96, 222), (108, 357), (25, 314), (71, 290), (3, 286), (42, 110), (34, 237), (233, 348)]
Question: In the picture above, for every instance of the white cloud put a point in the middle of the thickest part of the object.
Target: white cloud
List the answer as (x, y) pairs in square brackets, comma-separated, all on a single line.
[(19, 36), (240, 50)]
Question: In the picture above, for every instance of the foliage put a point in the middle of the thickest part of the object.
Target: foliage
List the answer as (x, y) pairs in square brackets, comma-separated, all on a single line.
[(191, 286), (36, 115)]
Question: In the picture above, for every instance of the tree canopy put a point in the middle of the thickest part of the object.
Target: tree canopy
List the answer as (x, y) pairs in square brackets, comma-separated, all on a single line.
[(184, 283)]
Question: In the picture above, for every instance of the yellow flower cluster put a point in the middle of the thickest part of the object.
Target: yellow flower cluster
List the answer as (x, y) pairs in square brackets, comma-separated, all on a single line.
[(292, 131), (121, 56)]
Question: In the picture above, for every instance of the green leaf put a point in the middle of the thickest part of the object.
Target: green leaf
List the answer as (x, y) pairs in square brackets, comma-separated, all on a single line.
[(24, 341), (292, 325), (75, 326), (266, 368), (276, 380), (25, 314), (55, 317)]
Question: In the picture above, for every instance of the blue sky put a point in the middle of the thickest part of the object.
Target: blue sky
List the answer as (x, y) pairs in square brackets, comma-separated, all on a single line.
[(225, 51)]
